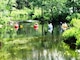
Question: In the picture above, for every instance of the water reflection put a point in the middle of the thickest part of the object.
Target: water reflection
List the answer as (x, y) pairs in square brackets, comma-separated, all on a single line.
[(47, 48), (57, 51), (47, 54)]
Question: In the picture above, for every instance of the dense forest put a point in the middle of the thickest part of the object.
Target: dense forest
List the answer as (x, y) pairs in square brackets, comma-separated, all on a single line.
[(45, 10)]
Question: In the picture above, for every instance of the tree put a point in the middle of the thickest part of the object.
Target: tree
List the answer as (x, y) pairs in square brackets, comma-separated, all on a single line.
[(22, 3), (73, 5)]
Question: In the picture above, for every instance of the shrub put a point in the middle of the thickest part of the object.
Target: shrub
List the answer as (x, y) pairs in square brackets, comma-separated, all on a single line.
[(72, 35)]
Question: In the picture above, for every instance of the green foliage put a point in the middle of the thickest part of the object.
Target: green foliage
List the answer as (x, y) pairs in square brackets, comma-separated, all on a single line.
[(75, 23), (75, 4), (22, 3), (74, 31), (78, 42), (37, 13), (20, 14), (73, 17), (68, 18), (39, 8), (69, 33)]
